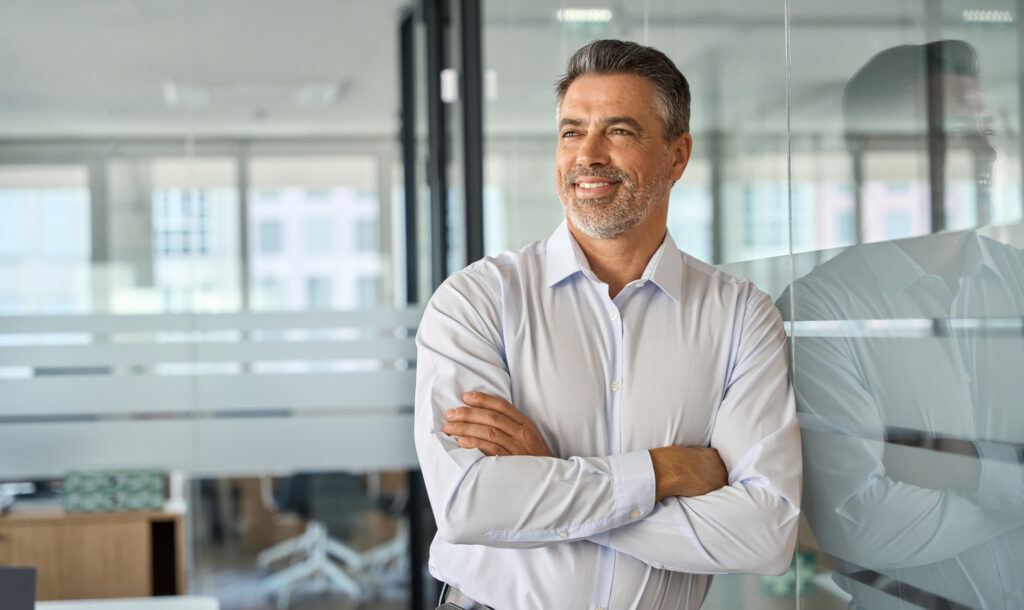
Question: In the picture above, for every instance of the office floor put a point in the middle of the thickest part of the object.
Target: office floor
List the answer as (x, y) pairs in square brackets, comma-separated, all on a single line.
[(231, 524)]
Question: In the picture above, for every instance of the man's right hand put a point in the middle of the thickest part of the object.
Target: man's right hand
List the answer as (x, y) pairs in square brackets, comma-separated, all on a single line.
[(687, 471)]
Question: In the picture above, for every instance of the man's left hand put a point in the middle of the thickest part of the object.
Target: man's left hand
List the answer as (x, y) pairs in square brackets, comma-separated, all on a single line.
[(495, 427)]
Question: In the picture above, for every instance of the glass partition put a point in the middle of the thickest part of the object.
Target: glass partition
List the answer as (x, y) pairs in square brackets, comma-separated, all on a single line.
[(903, 338), (205, 369)]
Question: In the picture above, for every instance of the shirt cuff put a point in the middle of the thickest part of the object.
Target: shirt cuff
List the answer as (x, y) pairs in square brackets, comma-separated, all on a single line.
[(1001, 486), (633, 473)]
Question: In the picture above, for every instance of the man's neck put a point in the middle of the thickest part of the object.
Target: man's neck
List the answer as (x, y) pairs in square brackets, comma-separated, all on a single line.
[(619, 261)]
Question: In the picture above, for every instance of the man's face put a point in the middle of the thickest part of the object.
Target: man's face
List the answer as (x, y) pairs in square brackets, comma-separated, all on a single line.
[(967, 146), (614, 166)]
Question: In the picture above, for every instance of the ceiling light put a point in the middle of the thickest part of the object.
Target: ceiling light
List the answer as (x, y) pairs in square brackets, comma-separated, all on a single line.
[(987, 16), (584, 15)]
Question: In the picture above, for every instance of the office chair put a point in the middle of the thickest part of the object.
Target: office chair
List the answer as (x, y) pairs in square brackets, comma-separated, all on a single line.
[(316, 558)]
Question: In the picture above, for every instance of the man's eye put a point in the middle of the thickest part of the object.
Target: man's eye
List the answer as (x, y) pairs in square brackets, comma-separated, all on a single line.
[(569, 134), (618, 131)]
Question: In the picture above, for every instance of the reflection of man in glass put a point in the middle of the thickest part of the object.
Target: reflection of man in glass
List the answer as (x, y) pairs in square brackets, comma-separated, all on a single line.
[(910, 371)]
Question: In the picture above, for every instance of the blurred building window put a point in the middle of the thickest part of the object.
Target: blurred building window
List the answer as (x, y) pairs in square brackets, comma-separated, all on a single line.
[(45, 239), (332, 214), (318, 235), (367, 288), (367, 235), (270, 237), (318, 292), (269, 294)]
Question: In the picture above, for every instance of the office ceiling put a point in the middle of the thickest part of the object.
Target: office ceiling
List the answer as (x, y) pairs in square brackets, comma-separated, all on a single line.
[(305, 68)]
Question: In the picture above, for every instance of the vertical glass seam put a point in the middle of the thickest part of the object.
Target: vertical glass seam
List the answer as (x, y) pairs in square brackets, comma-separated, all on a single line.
[(789, 211)]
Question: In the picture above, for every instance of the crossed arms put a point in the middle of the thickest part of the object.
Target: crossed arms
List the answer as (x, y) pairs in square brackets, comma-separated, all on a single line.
[(495, 427), (731, 507)]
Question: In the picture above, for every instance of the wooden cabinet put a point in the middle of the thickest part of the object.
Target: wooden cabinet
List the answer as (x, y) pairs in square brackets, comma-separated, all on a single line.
[(97, 555)]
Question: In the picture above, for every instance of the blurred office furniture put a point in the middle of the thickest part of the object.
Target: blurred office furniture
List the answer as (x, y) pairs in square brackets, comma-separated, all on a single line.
[(10, 491), (97, 555), (320, 562), (190, 602), (316, 558), (387, 564), (18, 588)]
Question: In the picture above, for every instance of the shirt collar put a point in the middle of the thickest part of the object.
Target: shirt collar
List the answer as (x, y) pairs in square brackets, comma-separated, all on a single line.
[(895, 270), (564, 257), (978, 257)]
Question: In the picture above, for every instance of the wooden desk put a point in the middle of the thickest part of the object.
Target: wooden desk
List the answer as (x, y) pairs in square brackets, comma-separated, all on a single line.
[(97, 555)]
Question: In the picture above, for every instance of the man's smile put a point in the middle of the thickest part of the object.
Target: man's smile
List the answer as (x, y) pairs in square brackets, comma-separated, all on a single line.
[(592, 187)]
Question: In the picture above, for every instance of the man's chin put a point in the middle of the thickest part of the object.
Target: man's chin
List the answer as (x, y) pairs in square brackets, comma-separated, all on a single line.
[(596, 229)]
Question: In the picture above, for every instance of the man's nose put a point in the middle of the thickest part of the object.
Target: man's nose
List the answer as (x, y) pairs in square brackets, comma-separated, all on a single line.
[(593, 150)]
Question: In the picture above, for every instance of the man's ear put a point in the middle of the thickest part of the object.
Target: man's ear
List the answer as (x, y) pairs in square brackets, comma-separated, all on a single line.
[(679, 151)]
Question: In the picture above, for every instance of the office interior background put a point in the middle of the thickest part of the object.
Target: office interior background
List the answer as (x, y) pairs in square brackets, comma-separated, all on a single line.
[(219, 222)]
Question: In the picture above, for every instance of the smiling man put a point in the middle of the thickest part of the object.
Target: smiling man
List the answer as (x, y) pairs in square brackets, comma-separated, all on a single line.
[(602, 420)]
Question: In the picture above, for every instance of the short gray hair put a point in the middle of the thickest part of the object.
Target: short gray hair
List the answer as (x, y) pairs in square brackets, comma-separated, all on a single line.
[(607, 57)]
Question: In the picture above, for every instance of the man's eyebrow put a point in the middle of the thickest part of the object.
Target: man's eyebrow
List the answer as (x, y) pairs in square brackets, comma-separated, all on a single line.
[(614, 120), (633, 123)]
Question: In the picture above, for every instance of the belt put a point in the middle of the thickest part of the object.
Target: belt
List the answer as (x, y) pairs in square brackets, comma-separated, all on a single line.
[(452, 598)]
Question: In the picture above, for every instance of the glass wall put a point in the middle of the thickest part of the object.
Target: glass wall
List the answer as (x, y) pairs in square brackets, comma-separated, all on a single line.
[(905, 330), (861, 163), (205, 347)]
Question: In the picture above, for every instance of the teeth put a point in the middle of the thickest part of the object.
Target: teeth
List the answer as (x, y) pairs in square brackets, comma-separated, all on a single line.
[(592, 185)]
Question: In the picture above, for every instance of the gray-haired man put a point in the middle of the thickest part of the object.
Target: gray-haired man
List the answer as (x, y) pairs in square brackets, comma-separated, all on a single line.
[(603, 421)]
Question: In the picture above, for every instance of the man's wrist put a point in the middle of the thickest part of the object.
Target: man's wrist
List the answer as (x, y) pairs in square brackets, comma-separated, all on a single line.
[(665, 477)]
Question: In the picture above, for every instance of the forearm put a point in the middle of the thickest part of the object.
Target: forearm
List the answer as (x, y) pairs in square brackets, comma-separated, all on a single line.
[(524, 501), (736, 529)]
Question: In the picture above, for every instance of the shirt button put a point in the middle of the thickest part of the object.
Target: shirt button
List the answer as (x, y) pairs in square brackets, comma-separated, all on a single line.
[(562, 533), (968, 378), (599, 608), (613, 315), (634, 515), (640, 284), (614, 386), (1010, 595), (657, 566)]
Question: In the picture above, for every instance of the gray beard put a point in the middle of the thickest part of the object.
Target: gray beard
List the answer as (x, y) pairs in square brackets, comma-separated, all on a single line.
[(612, 216)]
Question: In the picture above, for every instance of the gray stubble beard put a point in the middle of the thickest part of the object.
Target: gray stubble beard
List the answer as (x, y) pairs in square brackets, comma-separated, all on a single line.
[(612, 216)]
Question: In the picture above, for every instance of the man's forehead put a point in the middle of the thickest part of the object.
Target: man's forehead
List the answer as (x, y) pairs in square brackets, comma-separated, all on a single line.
[(608, 94)]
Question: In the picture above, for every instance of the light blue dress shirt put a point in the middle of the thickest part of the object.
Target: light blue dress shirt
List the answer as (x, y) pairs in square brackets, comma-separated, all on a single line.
[(685, 355)]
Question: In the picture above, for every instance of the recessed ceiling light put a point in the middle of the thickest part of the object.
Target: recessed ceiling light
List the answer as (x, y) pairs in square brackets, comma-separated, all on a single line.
[(584, 15), (987, 16)]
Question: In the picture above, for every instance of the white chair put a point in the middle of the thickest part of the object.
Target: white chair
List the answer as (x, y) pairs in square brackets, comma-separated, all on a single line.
[(317, 561), (323, 563)]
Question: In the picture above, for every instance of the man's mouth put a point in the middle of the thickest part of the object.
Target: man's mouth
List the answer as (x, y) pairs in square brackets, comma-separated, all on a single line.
[(594, 187)]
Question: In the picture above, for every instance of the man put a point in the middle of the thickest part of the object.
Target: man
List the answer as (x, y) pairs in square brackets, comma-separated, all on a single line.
[(913, 432), (603, 421)]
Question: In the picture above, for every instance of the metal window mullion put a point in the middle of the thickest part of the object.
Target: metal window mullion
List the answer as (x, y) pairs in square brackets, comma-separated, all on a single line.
[(470, 30)]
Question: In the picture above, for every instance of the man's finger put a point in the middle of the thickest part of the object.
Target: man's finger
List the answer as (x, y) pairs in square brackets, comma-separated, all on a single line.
[(493, 403), (469, 442), (482, 415), (480, 431)]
